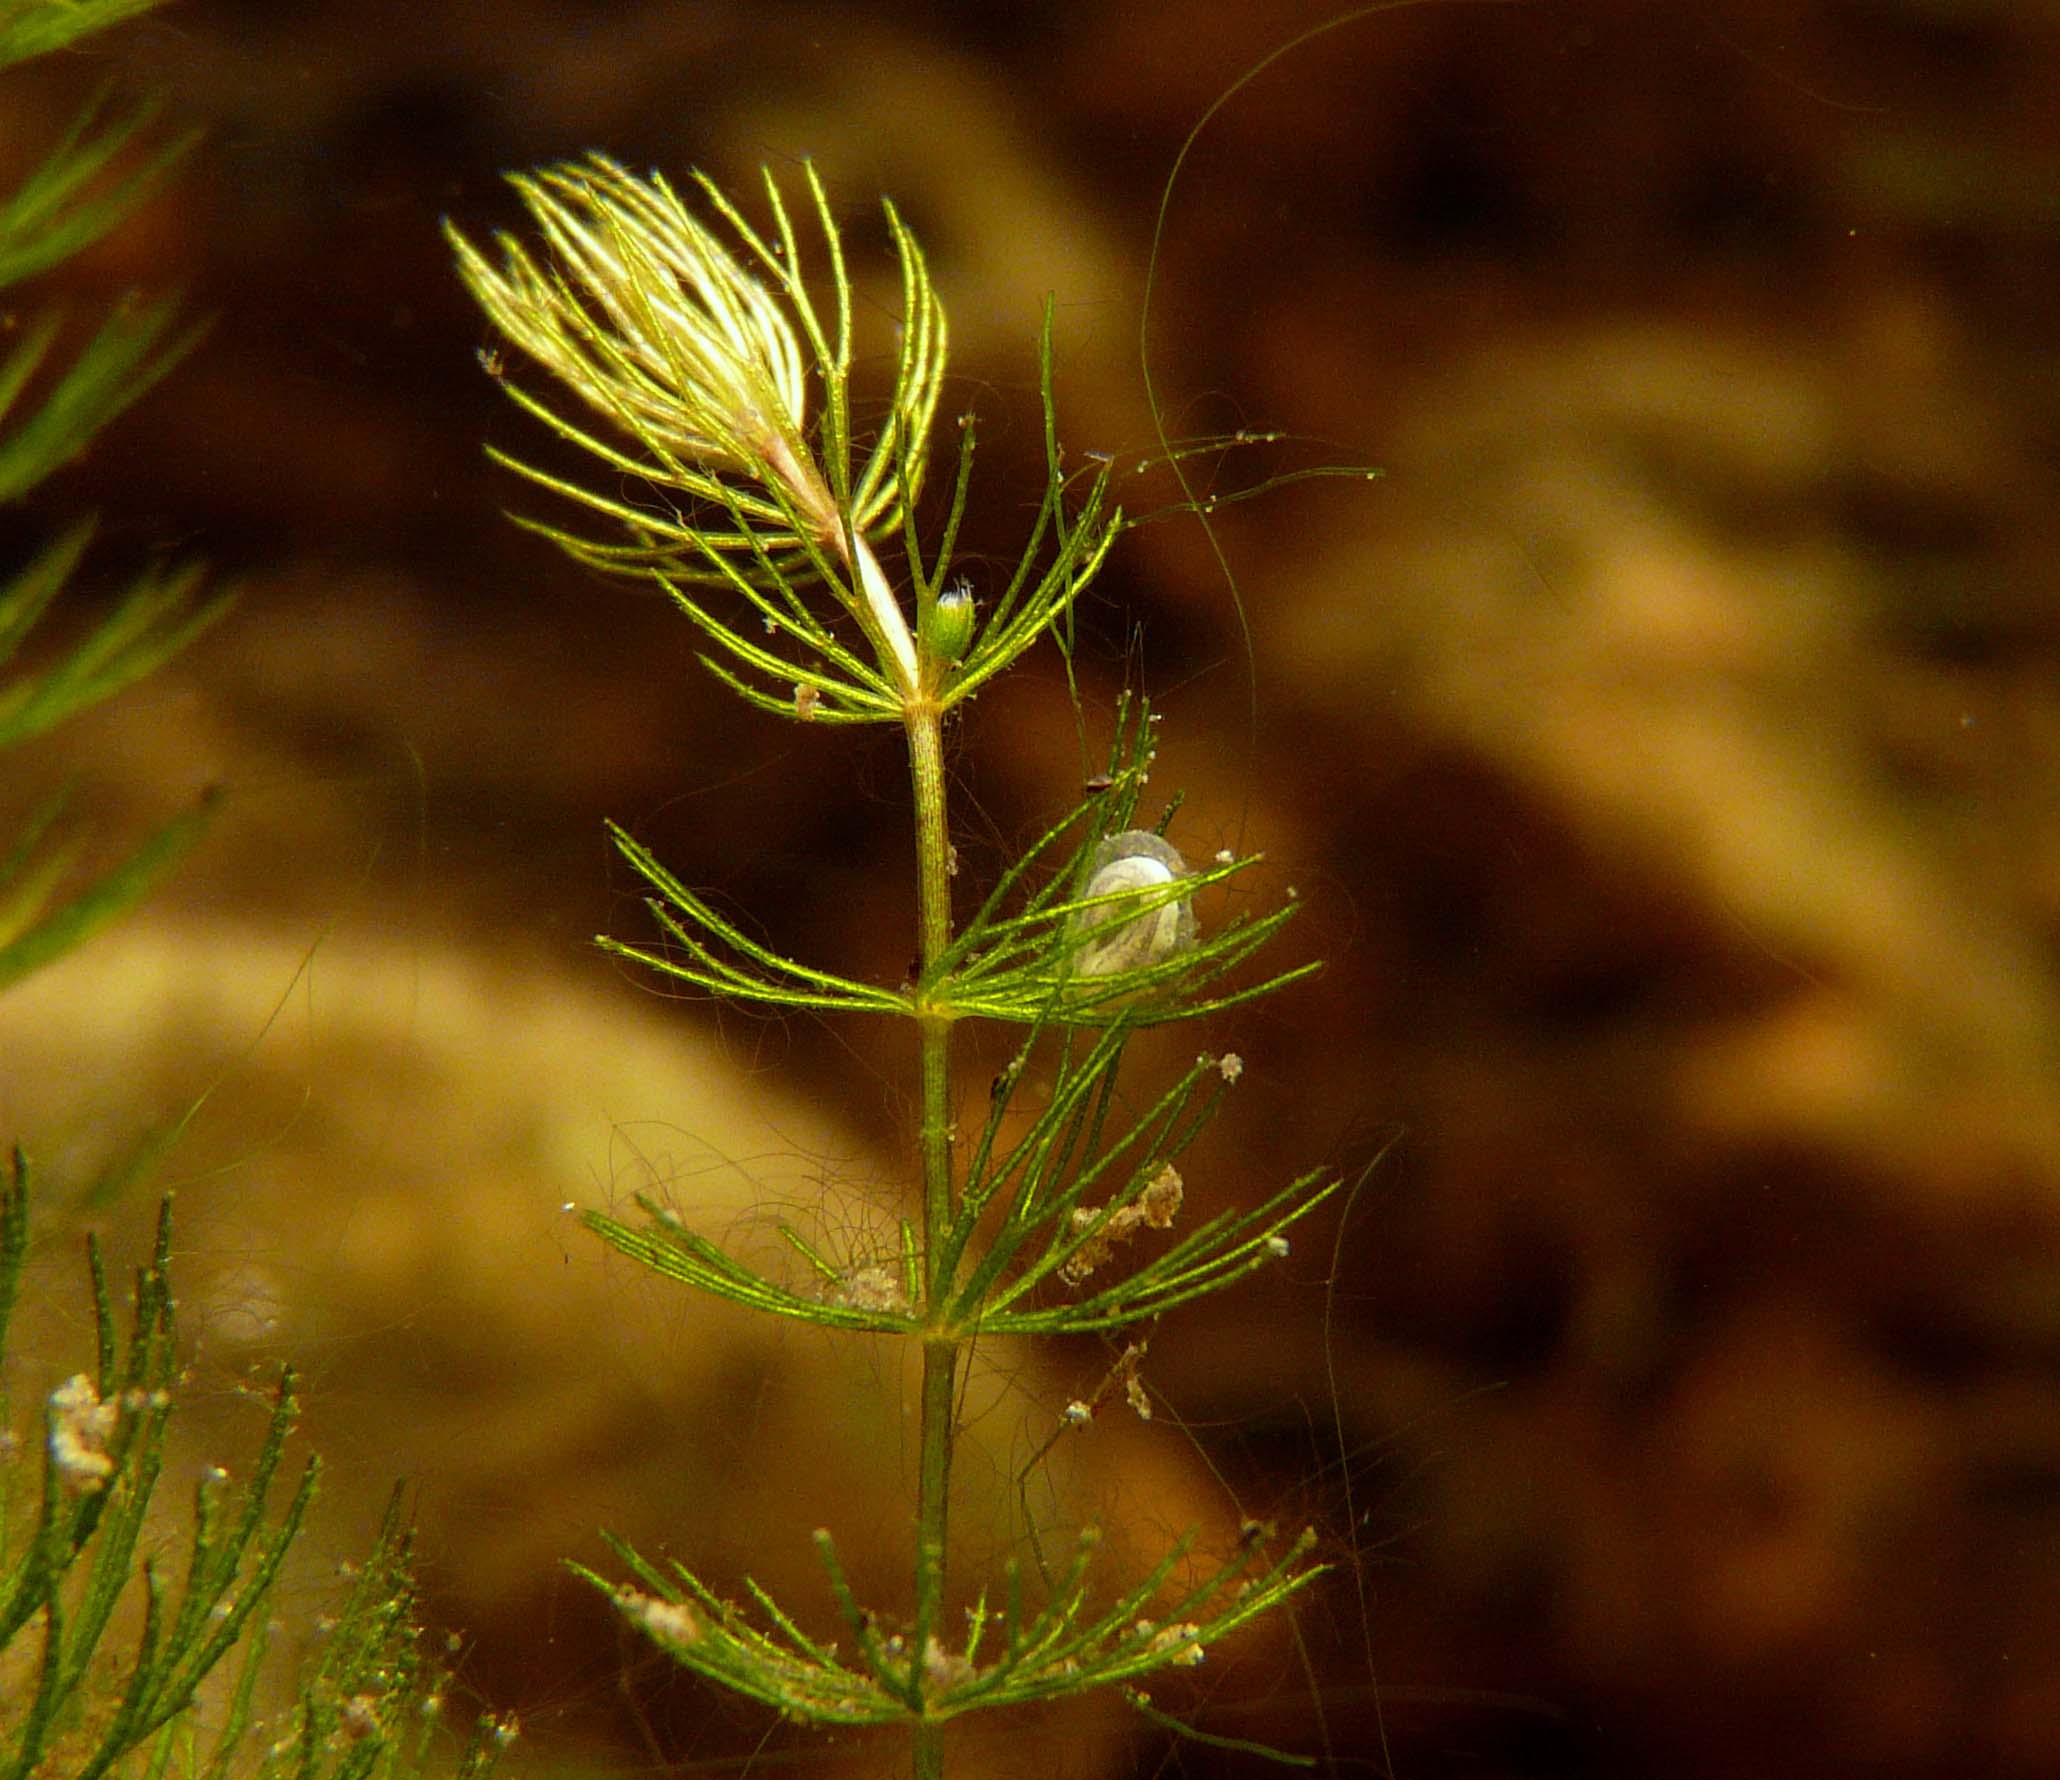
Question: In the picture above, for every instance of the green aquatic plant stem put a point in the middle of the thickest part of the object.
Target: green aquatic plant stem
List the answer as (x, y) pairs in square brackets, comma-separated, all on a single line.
[(925, 726), (940, 1394), (934, 1017)]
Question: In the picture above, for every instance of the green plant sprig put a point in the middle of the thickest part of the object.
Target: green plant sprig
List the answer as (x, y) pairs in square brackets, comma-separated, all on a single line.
[(120, 1662), (107, 1701), (1016, 966), (133, 347), (669, 1247), (1063, 1648), (706, 360), (37, 27), (103, 1454), (56, 212), (53, 402), (158, 615), (723, 396), (1064, 1154)]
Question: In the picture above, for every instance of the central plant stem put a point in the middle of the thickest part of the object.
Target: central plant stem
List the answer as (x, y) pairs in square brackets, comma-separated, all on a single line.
[(940, 1347)]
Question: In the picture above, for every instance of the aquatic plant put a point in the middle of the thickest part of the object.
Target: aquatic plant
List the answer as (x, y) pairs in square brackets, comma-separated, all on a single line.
[(701, 366), (115, 1659)]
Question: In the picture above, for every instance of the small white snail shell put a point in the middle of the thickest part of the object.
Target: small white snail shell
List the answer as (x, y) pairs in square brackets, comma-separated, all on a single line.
[(1136, 859)]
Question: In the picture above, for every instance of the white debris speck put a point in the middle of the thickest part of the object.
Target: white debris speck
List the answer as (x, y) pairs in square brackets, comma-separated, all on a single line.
[(871, 1288), (360, 1717), (670, 1622), (80, 1427)]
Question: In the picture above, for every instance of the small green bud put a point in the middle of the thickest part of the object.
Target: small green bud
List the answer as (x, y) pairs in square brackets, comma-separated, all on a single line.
[(947, 627)]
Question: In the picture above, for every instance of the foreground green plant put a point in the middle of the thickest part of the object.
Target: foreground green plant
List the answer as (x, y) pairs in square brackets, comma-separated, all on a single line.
[(49, 413), (103, 1656), (696, 369), (117, 1657)]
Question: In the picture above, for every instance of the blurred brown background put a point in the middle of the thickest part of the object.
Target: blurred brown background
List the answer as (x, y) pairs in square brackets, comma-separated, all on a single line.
[(1666, 748)]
